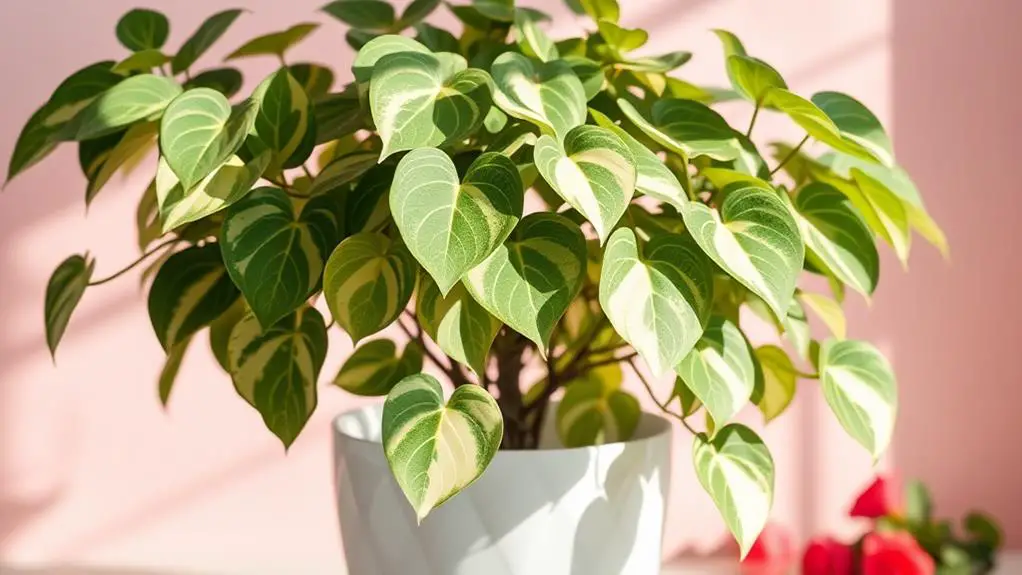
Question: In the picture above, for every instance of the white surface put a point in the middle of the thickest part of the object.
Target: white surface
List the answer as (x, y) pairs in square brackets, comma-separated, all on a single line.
[(587, 511)]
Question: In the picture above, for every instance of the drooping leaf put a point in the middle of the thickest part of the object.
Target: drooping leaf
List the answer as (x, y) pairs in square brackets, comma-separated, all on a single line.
[(368, 15), (778, 383), (227, 81), (375, 367), (143, 61), (136, 141), (549, 95), (226, 185), (856, 123), (34, 143), (147, 218), (220, 332), (532, 40), (461, 328), (142, 29), (686, 127), (63, 292), (720, 370), (887, 213), (171, 366), (141, 97), (283, 116), (208, 32), (860, 389), (316, 80), (815, 122), (827, 310), (595, 410), (275, 44)]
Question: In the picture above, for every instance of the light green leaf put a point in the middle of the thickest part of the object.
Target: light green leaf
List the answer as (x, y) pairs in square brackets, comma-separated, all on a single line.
[(283, 117), (376, 49), (171, 366), (752, 77), (532, 40), (226, 185), (196, 45), (720, 370), (593, 170), (589, 73), (621, 40), (601, 9), (199, 132), (451, 226), (147, 218), (731, 44), (417, 11), (143, 61), (778, 384), (689, 402), (686, 127), (595, 410), (316, 80), (655, 64), (860, 389), (549, 95), (657, 295), (142, 29), (275, 369), (754, 238), (722, 177), (134, 144), (190, 291), (827, 309), (856, 123), (528, 282), (814, 121), (141, 97), (368, 281), (342, 171), (63, 292), (367, 15), (886, 212), (461, 328), (275, 44), (374, 368), (736, 470), (275, 255), (35, 141), (435, 449), (220, 332), (227, 81)]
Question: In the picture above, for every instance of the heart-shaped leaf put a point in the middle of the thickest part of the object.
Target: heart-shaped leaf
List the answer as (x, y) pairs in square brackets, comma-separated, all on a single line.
[(451, 226), (620, 39), (377, 48), (190, 291), (196, 45), (367, 15), (461, 328), (752, 77), (657, 295), (593, 170), (856, 123), (274, 44), (531, 38), (227, 81), (595, 410), (375, 367), (367, 283), (754, 238), (142, 29), (274, 255), (529, 281), (283, 117), (828, 310), (226, 185), (779, 379), (275, 369), (63, 292), (686, 127), (417, 103), (815, 122), (549, 95), (860, 389), (141, 97), (736, 470), (435, 449), (720, 370)]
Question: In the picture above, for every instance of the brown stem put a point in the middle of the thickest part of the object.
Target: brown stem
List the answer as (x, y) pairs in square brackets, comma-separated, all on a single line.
[(585, 367), (509, 349), (663, 406), (452, 370)]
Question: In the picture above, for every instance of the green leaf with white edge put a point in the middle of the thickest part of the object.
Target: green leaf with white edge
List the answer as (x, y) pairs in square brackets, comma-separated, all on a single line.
[(621, 40), (275, 255), (199, 132), (451, 226), (828, 310), (275, 44), (275, 369), (368, 281), (168, 374), (655, 64), (436, 449), (191, 290), (220, 332), (860, 389), (595, 410), (227, 81), (548, 94), (720, 370), (889, 216), (377, 48), (857, 123), (342, 171), (416, 103), (779, 380), (593, 170), (461, 328), (366, 15), (754, 238), (601, 9), (815, 122), (208, 32), (226, 185), (142, 97), (316, 80), (752, 77), (417, 11), (656, 294), (529, 281), (686, 127), (835, 232), (142, 29), (283, 116), (735, 468), (63, 292), (531, 39), (375, 367), (143, 61), (136, 142)]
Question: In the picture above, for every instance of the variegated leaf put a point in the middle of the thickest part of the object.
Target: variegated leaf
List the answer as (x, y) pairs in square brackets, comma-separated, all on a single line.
[(856, 123), (342, 171), (375, 367), (720, 371), (367, 206), (133, 145), (461, 328), (595, 410), (549, 94), (142, 97), (860, 389), (815, 122), (226, 185), (63, 292), (168, 374), (686, 127), (283, 117)]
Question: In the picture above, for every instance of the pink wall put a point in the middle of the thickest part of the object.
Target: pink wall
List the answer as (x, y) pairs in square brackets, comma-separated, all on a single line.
[(93, 471)]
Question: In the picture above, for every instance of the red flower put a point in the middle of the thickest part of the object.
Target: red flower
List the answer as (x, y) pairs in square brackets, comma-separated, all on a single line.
[(773, 553), (827, 556), (895, 553), (884, 497)]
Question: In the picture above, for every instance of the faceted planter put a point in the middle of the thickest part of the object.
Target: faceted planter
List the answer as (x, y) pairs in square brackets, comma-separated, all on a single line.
[(552, 511)]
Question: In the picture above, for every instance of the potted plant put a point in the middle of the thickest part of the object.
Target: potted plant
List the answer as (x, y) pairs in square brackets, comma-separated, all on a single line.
[(540, 218)]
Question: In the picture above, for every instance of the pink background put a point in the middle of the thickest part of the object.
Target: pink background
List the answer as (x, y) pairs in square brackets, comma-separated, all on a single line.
[(94, 472)]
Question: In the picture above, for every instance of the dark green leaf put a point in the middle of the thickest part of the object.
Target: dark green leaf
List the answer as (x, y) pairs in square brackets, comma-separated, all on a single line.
[(63, 292), (368, 15), (275, 44), (227, 81), (196, 45), (142, 29)]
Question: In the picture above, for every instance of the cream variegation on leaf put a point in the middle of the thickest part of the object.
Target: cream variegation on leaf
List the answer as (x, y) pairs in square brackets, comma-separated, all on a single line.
[(548, 94), (860, 388)]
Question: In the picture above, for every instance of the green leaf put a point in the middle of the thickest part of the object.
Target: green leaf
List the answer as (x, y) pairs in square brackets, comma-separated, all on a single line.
[(220, 332), (736, 470), (754, 238), (451, 226), (657, 295), (814, 121), (435, 449), (595, 410), (529, 281), (752, 77), (357, 38), (226, 185), (147, 220), (366, 207), (436, 39), (720, 370), (461, 328), (141, 97), (143, 61), (275, 255), (856, 123), (549, 95), (342, 171), (532, 40), (686, 127), (376, 49), (620, 39), (276, 369), (589, 73), (601, 9), (316, 80), (884, 211), (199, 132), (827, 310), (656, 64), (275, 44), (374, 368), (63, 292), (860, 389), (835, 232), (130, 147), (367, 15), (984, 529), (417, 11), (142, 29), (196, 45), (190, 291), (731, 44), (593, 170), (227, 81), (336, 116), (283, 117), (34, 143), (918, 505), (779, 381), (368, 281), (417, 103), (171, 366), (689, 402)]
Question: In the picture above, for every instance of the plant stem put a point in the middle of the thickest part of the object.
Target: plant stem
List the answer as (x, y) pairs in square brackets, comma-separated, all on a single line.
[(141, 258), (790, 155), (752, 123), (453, 372), (663, 406)]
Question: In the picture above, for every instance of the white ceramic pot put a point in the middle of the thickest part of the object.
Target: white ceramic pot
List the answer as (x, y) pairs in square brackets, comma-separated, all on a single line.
[(553, 511)]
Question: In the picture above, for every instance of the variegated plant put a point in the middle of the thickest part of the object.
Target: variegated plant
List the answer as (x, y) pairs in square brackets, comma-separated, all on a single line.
[(503, 199)]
